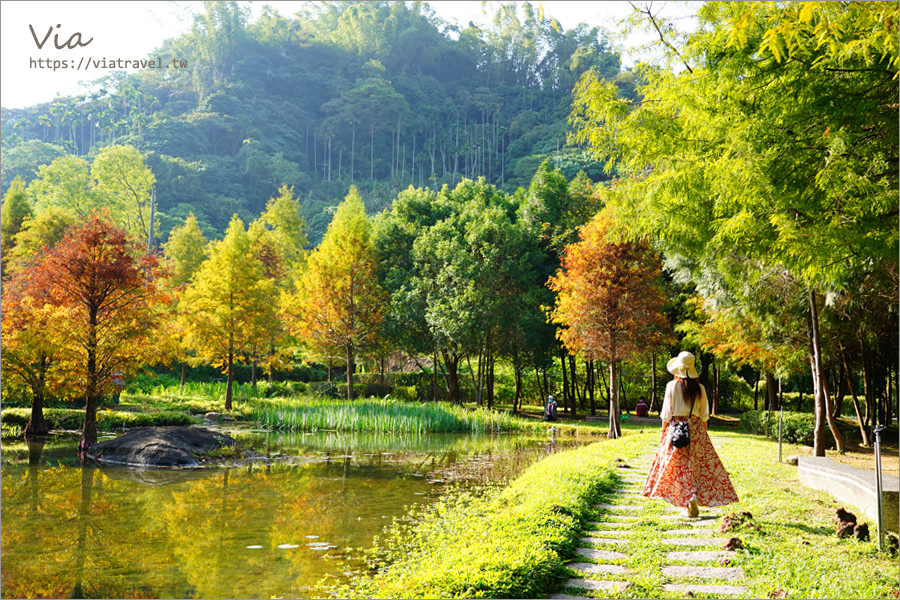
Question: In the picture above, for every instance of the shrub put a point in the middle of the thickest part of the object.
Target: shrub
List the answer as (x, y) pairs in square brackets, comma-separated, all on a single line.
[(797, 428), (58, 418), (324, 389)]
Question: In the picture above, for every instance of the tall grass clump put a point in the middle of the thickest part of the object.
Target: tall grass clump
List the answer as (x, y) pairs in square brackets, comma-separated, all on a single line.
[(382, 415), (504, 543)]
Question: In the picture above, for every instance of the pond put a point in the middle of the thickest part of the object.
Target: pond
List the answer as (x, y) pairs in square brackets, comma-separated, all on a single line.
[(271, 528)]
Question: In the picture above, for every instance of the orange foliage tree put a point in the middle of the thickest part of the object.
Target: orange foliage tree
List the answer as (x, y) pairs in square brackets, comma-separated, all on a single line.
[(95, 275), (609, 302)]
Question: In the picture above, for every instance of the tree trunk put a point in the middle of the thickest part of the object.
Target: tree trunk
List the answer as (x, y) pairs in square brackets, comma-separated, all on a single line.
[(230, 380), (453, 378), (615, 427), (36, 424), (183, 375), (756, 392), (253, 373), (863, 430), (715, 395), (490, 380), (517, 400), (434, 378), (820, 385), (562, 363), (576, 397), (541, 389), (590, 377), (652, 382), (89, 432), (888, 397), (350, 368), (839, 394), (771, 394)]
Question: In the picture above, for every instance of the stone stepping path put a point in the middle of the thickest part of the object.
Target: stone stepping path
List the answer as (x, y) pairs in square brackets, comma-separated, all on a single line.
[(725, 573), (610, 540)]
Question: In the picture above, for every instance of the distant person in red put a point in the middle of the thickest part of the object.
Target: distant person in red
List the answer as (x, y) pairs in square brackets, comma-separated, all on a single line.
[(641, 408)]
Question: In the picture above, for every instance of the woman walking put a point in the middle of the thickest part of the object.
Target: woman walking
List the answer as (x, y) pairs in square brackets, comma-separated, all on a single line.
[(690, 476)]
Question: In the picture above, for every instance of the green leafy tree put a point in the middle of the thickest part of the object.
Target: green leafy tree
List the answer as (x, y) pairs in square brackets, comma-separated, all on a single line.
[(185, 252), (225, 302), (65, 183), (124, 183), (340, 301), (773, 148), (283, 215), (44, 229), (16, 210)]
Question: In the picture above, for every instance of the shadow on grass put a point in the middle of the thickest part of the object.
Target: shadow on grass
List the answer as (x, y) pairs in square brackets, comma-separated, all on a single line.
[(821, 530)]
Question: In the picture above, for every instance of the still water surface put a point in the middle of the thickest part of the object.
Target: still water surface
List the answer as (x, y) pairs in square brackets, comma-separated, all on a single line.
[(270, 528)]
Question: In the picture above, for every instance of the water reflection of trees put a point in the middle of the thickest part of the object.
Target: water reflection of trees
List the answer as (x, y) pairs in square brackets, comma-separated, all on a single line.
[(106, 533)]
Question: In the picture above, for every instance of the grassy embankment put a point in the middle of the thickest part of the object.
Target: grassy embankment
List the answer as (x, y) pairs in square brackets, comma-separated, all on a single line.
[(502, 543), (512, 542)]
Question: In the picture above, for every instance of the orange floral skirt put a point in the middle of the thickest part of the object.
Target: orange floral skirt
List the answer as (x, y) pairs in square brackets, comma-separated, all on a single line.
[(678, 473)]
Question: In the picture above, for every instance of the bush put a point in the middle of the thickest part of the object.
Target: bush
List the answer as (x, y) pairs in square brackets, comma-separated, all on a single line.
[(325, 389), (334, 389), (406, 393), (58, 418), (282, 389), (797, 428)]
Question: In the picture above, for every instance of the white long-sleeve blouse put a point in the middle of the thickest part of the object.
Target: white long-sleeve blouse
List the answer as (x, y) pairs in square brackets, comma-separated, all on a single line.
[(675, 406)]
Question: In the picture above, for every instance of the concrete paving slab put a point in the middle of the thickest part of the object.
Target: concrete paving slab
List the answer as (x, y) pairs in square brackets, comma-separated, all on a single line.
[(595, 568), (595, 554), (701, 518), (705, 589), (597, 584), (600, 533), (599, 540), (723, 573), (625, 507), (567, 597), (601, 524), (686, 531), (693, 541), (699, 555), (629, 518)]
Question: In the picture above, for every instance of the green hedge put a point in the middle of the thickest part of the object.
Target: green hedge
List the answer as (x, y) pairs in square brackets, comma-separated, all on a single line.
[(58, 418), (797, 428), (334, 389), (503, 543)]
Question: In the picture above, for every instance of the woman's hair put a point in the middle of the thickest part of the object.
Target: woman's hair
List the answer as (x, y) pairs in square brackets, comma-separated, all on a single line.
[(690, 388)]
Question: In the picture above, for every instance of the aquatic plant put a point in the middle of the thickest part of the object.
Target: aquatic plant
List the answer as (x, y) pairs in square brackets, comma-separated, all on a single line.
[(383, 415)]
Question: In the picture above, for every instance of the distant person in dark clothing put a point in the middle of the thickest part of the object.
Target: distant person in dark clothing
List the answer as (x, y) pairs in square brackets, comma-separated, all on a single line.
[(641, 408), (550, 409)]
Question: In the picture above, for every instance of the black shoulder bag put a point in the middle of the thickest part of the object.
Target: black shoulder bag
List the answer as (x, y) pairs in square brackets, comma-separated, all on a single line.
[(681, 430)]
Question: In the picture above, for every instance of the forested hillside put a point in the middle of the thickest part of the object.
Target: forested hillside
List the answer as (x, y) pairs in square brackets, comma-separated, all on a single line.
[(382, 95)]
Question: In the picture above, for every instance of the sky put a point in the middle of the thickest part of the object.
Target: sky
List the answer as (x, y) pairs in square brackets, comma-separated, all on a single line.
[(132, 30)]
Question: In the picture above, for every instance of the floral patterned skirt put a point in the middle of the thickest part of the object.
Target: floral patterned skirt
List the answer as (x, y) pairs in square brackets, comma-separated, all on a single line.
[(678, 473)]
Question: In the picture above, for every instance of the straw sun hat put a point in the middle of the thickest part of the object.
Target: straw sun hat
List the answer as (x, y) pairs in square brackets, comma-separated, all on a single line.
[(682, 366)]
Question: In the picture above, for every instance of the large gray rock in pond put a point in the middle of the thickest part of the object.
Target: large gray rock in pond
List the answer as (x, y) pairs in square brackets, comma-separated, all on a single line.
[(160, 447)]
